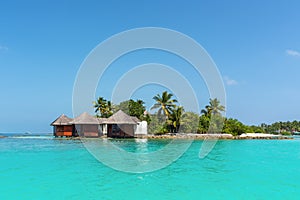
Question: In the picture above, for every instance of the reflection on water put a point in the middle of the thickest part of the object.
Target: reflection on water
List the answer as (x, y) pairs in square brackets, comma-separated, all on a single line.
[(139, 145), (137, 156)]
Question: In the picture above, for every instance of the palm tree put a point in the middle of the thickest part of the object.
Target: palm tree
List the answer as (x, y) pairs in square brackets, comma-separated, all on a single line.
[(103, 107), (175, 118), (108, 111), (99, 105), (214, 108), (165, 103)]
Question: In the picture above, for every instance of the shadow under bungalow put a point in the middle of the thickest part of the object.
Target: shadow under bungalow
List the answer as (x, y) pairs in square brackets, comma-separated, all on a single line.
[(119, 125)]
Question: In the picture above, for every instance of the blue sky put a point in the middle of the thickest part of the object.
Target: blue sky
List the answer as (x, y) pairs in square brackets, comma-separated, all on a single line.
[(255, 45)]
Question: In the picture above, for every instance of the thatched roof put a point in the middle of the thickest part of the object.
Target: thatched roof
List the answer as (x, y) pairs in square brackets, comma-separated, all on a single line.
[(120, 118), (85, 118), (62, 120), (135, 119), (102, 120)]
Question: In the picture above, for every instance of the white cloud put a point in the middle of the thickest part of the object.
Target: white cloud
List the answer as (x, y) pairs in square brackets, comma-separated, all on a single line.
[(292, 52), (3, 47), (229, 81)]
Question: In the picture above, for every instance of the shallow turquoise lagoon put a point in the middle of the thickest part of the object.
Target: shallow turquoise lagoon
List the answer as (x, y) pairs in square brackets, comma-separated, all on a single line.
[(46, 168)]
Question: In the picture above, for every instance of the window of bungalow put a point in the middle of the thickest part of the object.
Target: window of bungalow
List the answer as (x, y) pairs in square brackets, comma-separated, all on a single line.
[(115, 128), (60, 128)]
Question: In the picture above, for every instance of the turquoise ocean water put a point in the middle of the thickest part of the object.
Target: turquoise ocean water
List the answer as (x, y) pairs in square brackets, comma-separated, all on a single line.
[(46, 168)]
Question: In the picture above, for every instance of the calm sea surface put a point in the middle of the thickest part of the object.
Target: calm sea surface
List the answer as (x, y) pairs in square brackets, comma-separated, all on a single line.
[(46, 168)]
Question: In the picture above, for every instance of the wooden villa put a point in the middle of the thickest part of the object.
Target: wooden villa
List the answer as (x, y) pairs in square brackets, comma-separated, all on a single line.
[(119, 125), (86, 125), (62, 126)]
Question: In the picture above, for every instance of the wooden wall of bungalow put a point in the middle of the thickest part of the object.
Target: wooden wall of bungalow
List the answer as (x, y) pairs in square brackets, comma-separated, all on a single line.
[(87, 130), (121, 130), (63, 130)]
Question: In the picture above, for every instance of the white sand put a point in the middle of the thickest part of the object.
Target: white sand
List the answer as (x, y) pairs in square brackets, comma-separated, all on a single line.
[(258, 135)]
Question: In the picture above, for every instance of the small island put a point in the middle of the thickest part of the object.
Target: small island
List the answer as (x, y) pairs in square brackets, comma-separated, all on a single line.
[(129, 119)]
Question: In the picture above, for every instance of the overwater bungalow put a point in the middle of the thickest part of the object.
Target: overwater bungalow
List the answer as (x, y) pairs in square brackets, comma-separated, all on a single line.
[(121, 125), (62, 126), (118, 125), (86, 125)]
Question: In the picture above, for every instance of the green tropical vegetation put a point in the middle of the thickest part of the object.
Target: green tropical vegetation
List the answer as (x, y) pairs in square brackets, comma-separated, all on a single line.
[(164, 103), (214, 107), (169, 117), (103, 108), (174, 119), (133, 108), (282, 127)]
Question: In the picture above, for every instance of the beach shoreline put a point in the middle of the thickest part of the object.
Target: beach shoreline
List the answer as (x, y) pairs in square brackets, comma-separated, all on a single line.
[(191, 136), (221, 136), (187, 136)]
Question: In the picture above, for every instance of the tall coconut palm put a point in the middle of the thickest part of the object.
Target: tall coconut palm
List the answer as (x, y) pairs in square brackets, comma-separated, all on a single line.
[(108, 111), (164, 103), (103, 108), (175, 118), (99, 105), (214, 108)]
